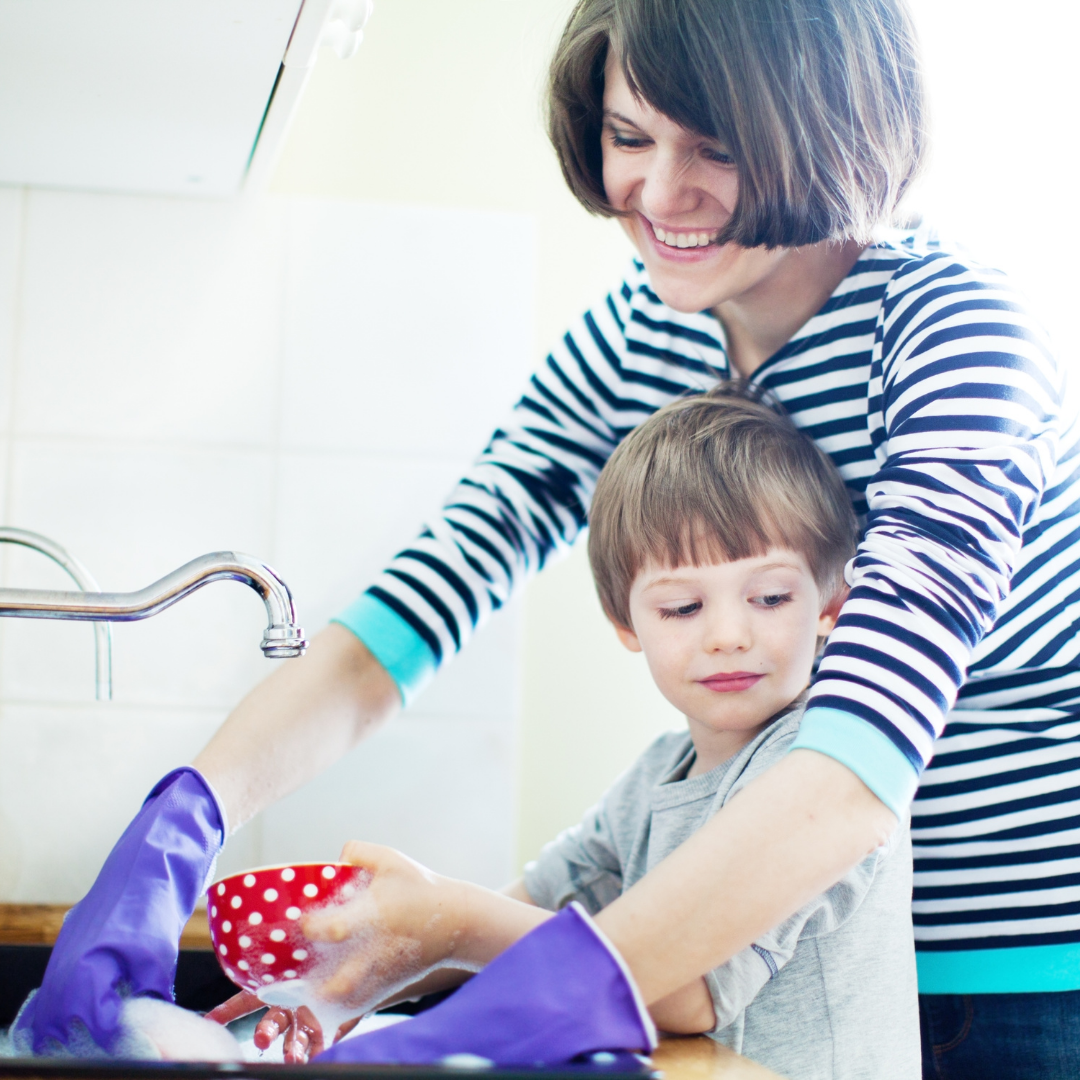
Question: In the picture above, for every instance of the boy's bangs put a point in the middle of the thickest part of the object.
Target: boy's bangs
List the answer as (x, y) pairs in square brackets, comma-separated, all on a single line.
[(699, 532)]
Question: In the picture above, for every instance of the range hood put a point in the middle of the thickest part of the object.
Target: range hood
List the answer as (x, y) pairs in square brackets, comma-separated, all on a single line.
[(166, 97)]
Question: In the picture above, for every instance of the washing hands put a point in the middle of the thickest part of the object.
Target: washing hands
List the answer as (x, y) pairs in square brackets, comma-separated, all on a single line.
[(410, 932)]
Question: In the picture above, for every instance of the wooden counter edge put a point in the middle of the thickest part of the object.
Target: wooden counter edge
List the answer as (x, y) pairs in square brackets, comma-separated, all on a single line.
[(38, 924), (697, 1057)]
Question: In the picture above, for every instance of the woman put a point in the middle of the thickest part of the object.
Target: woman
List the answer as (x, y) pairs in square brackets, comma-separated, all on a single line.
[(750, 148)]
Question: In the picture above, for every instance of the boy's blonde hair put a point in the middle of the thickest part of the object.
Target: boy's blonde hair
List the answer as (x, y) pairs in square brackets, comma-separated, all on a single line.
[(714, 478)]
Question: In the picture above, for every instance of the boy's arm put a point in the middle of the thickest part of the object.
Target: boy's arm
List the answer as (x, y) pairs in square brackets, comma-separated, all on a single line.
[(516, 891), (787, 837)]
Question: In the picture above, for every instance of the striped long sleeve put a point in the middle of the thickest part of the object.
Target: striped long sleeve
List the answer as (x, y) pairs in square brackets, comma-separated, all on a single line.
[(964, 407), (923, 378), (527, 498)]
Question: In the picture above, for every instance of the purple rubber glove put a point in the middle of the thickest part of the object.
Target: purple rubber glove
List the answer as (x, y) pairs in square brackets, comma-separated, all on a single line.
[(559, 995), (122, 939)]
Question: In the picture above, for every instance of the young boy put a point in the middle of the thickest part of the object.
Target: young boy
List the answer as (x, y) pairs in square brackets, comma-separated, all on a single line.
[(718, 539)]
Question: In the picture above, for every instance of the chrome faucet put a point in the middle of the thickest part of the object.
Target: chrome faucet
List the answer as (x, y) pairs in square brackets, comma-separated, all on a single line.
[(282, 638), (83, 578)]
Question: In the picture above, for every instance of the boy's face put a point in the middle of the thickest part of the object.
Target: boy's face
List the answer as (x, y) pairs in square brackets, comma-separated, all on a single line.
[(729, 644)]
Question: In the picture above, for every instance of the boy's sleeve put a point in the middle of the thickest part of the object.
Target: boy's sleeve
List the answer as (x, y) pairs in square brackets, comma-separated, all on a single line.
[(735, 984), (581, 863)]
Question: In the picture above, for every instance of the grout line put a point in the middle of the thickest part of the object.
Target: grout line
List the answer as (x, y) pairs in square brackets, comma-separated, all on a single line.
[(18, 299), (142, 708), (279, 448), (284, 244), (284, 234)]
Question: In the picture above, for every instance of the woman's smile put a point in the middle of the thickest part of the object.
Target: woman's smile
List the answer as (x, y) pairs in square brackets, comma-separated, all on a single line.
[(677, 245)]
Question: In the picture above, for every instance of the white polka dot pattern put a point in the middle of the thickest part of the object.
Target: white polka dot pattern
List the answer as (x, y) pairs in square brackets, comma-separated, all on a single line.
[(269, 928)]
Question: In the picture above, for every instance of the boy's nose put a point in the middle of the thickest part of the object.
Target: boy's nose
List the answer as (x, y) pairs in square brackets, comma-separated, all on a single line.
[(727, 634)]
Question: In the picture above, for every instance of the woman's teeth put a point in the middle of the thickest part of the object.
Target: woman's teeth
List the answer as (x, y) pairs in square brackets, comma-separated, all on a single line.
[(684, 239)]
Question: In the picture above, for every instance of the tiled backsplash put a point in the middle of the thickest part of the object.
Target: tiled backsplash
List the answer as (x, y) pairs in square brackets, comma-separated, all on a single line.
[(300, 380)]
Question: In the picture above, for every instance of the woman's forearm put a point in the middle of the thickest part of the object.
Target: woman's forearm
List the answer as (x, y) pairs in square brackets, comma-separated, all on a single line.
[(298, 722), (787, 837)]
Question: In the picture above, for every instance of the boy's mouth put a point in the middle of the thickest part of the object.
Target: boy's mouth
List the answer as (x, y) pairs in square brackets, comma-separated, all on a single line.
[(727, 682)]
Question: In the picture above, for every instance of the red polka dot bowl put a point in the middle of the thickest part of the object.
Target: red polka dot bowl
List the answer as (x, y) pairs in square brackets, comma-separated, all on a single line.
[(255, 921)]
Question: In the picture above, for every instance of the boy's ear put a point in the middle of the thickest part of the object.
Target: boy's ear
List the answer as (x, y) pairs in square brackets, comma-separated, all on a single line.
[(831, 612), (627, 637)]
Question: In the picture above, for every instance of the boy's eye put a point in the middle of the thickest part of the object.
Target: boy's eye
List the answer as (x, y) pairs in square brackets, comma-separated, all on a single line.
[(680, 612), (774, 600)]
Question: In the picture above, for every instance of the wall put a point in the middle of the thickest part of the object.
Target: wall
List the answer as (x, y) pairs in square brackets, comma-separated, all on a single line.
[(445, 109), (284, 377), (178, 377)]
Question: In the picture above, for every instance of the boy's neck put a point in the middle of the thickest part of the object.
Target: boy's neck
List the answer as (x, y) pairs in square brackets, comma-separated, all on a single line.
[(712, 748)]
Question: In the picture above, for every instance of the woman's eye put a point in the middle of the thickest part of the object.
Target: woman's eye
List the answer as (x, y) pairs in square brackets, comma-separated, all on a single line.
[(680, 612), (627, 142), (722, 157)]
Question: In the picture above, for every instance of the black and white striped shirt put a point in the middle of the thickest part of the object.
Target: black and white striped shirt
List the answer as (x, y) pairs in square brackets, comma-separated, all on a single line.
[(938, 399)]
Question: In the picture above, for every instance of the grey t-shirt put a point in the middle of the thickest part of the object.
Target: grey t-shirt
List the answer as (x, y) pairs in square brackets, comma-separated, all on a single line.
[(830, 994)]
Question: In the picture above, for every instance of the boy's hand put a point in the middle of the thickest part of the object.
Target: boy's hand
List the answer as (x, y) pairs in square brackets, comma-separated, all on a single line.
[(408, 922), (303, 1033), (405, 923)]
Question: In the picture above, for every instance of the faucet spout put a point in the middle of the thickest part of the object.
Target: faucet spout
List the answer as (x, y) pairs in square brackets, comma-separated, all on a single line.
[(282, 638)]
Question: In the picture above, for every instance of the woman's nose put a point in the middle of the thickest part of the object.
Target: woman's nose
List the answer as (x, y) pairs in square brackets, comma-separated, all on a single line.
[(668, 190)]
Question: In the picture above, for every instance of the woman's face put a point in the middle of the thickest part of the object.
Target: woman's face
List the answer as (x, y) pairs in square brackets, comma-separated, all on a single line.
[(680, 189)]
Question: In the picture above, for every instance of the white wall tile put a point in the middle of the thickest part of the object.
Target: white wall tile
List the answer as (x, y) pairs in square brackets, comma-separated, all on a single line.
[(131, 515), (147, 433), (70, 781), (11, 221), (150, 319), (439, 790), (340, 518), (409, 329)]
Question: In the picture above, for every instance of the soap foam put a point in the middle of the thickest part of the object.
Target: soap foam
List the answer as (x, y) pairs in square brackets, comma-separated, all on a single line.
[(158, 1030)]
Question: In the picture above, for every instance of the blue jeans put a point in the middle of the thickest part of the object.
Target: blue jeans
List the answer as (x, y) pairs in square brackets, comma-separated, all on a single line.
[(1001, 1036)]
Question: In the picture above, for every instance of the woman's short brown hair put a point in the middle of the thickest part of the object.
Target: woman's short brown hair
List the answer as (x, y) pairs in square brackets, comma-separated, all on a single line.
[(819, 101), (714, 478)]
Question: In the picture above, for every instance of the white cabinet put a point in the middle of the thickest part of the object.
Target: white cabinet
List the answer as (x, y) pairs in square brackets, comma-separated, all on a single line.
[(155, 96)]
